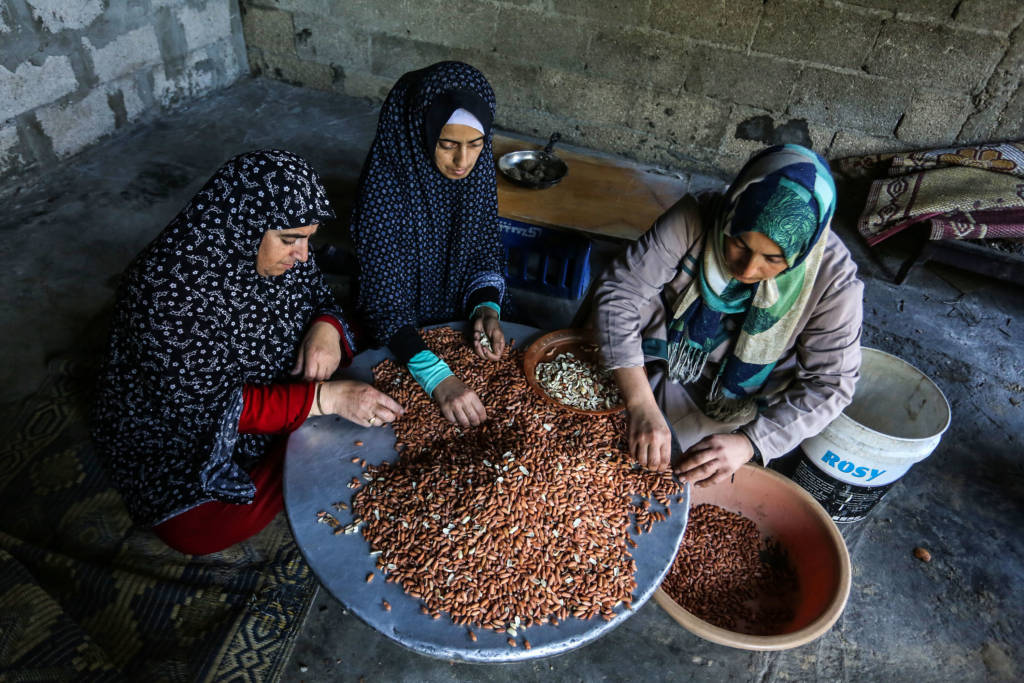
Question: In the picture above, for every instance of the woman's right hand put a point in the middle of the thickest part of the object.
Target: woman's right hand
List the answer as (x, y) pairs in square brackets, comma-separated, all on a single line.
[(650, 440), (358, 402), (459, 404)]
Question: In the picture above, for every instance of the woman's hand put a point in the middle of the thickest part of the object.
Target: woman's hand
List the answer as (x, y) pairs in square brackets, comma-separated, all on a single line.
[(358, 402), (650, 440), (486, 325), (459, 404), (319, 353), (714, 458)]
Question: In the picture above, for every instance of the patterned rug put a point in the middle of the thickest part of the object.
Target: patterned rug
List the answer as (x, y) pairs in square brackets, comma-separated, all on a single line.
[(964, 193), (85, 595)]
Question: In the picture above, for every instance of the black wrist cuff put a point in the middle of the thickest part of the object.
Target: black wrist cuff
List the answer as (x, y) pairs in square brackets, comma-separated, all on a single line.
[(479, 296), (756, 457), (406, 343)]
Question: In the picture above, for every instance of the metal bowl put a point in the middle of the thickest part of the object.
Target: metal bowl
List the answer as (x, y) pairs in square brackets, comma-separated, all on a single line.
[(535, 169)]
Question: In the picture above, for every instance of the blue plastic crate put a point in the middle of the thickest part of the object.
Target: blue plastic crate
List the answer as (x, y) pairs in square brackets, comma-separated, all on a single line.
[(543, 260)]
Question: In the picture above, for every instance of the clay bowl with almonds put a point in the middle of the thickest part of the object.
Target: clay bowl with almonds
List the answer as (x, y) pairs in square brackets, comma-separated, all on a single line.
[(788, 515)]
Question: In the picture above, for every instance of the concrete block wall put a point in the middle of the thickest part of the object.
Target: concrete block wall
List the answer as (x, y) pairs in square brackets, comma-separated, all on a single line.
[(681, 83), (74, 72)]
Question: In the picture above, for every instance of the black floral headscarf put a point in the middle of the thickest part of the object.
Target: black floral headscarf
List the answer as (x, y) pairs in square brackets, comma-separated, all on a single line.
[(426, 242), (193, 323)]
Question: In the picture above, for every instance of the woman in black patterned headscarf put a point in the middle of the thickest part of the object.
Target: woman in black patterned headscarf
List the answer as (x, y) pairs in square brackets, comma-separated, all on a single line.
[(425, 226), (212, 320)]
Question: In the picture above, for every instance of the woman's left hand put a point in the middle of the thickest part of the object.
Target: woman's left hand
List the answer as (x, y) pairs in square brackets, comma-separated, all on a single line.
[(319, 353), (714, 458), (487, 325)]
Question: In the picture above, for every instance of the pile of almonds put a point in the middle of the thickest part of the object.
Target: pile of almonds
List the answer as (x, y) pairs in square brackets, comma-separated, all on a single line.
[(521, 521), (726, 576)]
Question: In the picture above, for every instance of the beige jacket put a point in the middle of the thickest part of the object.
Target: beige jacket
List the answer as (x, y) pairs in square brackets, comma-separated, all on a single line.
[(814, 379)]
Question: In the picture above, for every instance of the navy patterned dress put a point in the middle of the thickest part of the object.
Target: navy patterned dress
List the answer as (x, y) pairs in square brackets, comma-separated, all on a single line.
[(428, 246), (193, 323)]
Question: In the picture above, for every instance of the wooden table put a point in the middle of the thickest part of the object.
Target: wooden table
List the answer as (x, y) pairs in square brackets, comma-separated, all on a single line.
[(600, 196)]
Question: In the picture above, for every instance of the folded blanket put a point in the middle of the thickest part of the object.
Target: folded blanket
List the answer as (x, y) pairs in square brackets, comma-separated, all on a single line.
[(972, 192)]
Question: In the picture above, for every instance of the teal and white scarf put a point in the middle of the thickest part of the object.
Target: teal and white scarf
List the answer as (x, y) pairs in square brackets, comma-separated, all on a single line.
[(787, 194)]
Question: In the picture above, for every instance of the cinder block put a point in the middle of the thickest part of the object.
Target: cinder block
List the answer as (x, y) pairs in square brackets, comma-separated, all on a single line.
[(934, 118), (230, 54), (610, 14), (327, 40), (729, 22), (72, 127), (851, 143), (10, 157), (207, 25), (622, 140), (584, 97), (937, 55), (365, 84), (391, 56), (529, 37), (873, 105), (1010, 125), (939, 10), (290, 69), (656, 151), (268, 29), (751, 129), (30, 86), (991, 15), (134, 105), (321, 7), (60, 15), (816, 32), (462, 24), (198, 76), (648, 58), (386, 17), (993, 117), (681, 121), (124, 54), (535, 122), (733, 76), (514, 84)]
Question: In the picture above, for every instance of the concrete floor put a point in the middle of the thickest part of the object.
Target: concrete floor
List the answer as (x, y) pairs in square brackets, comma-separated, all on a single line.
[(67, 235)]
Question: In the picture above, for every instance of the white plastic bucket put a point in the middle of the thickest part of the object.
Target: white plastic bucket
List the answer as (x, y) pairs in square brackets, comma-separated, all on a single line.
[(896, 419)]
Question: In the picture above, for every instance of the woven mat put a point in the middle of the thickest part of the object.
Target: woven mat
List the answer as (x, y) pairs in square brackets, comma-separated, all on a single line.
[(85, 595)]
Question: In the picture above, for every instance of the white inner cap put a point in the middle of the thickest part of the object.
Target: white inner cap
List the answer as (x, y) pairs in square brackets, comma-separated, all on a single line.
[(464, 117)]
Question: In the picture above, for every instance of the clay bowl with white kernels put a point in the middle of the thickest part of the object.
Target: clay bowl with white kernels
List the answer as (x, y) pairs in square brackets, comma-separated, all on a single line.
[(563, 367)]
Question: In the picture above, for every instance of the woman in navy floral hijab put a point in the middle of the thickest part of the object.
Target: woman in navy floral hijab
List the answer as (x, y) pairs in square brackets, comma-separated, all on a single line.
[(425, 225), (213, 319)]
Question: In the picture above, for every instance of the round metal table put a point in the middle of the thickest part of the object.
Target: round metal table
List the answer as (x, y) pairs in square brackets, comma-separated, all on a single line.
[(318, 468)]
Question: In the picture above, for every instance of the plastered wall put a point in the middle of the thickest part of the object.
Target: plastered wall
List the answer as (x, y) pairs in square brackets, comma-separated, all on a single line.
[(73, 72)]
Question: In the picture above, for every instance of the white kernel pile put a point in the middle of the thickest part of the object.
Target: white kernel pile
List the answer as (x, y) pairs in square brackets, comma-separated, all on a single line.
[(578, 383)]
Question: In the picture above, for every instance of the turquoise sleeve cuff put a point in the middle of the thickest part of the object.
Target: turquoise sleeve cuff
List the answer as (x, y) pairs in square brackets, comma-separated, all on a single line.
[(428, 370), (487, 304)]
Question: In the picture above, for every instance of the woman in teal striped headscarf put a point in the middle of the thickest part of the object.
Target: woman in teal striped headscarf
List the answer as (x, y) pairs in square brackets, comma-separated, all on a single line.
[(752, 307)]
